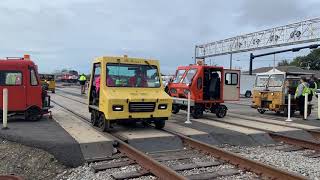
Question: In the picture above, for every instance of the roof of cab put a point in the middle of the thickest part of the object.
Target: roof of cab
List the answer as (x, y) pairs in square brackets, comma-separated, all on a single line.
[(16, 62), (125, 60)]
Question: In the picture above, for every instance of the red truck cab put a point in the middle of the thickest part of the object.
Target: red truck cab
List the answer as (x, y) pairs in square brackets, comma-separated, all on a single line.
[(25, 94), (209, 87)]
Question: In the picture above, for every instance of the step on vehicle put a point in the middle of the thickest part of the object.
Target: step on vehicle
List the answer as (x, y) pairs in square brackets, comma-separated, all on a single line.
[(48, 82), (124, 89), (26, 97), (209, 87), (271, 91)]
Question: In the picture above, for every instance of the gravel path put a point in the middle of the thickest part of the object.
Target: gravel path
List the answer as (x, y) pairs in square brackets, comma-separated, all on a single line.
[(28, 162), (291, 161)]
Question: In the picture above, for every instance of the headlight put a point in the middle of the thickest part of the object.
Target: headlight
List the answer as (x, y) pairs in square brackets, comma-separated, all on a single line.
[(186, 91), (173, 91), (162, 106), (117, 108)]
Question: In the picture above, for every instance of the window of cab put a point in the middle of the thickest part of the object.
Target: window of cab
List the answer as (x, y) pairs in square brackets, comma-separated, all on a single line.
[(189, 76), (132, 75), (179, 75), (10, 78)]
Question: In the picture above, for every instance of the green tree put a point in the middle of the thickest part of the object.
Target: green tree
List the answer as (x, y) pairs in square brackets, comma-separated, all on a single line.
[(312, 60), (284, 63)]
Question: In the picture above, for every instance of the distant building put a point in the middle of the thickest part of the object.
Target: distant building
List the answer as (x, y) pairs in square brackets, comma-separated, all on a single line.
[(291, 69)]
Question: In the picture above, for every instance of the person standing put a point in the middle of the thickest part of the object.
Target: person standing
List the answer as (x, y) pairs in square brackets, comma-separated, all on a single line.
[(313, 86), (301, 91), (82, 81)]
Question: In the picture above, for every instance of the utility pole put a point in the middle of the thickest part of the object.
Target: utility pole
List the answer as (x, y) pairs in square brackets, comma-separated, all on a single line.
[(230, 60)]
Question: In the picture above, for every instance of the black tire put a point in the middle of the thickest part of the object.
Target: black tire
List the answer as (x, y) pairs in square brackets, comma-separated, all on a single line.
[(261, 111), (175, 109), (221, 111), (53, 91), (94, 118), (197, 112), (104, 124), (159, 123), (33, 114), (248, 94)]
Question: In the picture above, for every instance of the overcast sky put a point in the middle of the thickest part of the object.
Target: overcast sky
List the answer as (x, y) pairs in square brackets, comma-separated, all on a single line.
[(70, 33)]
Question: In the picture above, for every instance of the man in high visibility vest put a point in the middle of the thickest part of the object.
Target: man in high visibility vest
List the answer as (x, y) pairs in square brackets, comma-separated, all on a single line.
[(82, 81), (301, 91)]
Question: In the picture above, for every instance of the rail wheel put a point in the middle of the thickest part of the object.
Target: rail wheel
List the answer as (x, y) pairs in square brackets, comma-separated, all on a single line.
[(33, 114), (94, 118), (221, 111), (175, 109), (197, 112), (261, 111), (159, 123), (104, 124)]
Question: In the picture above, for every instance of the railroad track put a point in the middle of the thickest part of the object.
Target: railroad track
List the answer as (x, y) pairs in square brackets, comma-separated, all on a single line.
[(277, 136), (153, 165)]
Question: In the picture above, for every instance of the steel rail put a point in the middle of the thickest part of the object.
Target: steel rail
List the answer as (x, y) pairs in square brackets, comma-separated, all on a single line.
[(239, 161), (145, 161), (280, 137), (313, 132), (232, 158)]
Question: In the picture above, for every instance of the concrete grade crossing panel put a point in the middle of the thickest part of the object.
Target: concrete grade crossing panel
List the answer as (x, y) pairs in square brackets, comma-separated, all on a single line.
[(150, 140), (93, 144)]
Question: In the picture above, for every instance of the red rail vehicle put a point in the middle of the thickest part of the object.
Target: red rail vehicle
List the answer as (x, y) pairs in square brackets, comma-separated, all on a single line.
[(209, 87), (70, 76), (25, 94)]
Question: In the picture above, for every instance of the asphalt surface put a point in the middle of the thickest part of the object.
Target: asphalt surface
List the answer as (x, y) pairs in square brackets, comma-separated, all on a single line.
[(45, 134)]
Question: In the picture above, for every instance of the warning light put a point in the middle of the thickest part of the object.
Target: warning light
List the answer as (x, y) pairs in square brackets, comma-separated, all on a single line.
[(200, 62), (26, 57)]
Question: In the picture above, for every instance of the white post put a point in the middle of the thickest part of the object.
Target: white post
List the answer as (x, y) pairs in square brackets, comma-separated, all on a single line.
[(188, 112), (318, 105), (289, 108), (5, 108), (305, 106)]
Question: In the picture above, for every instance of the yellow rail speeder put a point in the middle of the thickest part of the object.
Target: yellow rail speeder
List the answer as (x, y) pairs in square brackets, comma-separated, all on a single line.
[(127, 89)]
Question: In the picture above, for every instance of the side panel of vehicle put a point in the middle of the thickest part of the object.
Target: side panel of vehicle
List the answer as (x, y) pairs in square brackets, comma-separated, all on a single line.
[(247, 83)]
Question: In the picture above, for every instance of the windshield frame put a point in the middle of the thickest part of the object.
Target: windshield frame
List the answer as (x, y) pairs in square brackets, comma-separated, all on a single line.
[(182, 74), (283, 80), (154, 67), (186, 74), (267, 80)]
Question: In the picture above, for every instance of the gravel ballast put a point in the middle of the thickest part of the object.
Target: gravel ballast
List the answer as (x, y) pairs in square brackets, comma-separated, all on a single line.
[(27, 162), (292, 161)]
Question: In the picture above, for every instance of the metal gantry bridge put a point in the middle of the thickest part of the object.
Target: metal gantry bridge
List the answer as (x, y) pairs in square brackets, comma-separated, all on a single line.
[(291, 34)]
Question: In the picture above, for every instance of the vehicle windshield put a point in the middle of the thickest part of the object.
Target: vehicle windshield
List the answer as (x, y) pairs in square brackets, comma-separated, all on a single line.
[(178, 76), (131, 75), (262, 80), (188, 78), (276, 80)]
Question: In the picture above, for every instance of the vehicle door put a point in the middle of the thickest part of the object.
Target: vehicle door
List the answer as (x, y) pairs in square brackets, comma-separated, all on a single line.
[(14, 81), (231, 85), (34, 89)]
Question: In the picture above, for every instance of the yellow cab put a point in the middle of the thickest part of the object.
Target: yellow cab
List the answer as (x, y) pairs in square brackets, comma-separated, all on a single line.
[(129, 90), (271, 91), (48, 82)]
